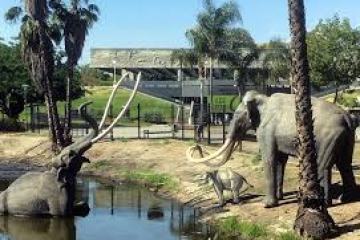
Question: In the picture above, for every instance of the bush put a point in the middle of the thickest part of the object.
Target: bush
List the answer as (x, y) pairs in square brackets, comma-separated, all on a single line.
[(11, 125), (154, 117), (348, 101)]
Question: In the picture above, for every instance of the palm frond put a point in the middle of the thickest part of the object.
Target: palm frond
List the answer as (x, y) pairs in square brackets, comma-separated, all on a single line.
[(13, 14)]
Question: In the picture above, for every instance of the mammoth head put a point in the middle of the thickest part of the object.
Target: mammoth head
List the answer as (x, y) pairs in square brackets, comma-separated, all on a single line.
[(247, 116), (70, 159)]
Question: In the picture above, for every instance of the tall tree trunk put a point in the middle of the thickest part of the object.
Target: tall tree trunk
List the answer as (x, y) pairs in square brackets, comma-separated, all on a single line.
[(52, 132), (313, 219), (67, 129), (54, 117), (211, 82), (47, 68)]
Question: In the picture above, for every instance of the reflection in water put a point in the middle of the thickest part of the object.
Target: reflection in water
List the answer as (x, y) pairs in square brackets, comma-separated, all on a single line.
[(117, 212)]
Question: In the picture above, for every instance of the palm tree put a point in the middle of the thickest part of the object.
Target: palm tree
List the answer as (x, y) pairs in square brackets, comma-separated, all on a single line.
[(75, 21), (38, 54), (207, 36), (313, 219), (189, 58), (239, 51), (277, 59)]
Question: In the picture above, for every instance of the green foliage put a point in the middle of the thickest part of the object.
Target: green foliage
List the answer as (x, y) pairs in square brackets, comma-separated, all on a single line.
[(16, 87), (232, 227), (239, 49), (334, 52), (94, 77), (207, 37), (349, 99), (151, 178), (11, 125), (287, 236), (59, 81), (13, 76), (153, 117), (277, 59)]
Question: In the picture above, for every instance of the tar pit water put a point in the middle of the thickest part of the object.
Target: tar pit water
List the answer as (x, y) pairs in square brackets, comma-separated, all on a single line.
[(127, 212)]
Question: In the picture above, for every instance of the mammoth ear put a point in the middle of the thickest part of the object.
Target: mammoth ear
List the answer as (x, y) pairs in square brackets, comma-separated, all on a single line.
[(253, 113), (253, 102)]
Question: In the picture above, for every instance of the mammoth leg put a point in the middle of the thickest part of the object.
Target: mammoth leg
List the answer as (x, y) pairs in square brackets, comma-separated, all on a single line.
[(270, 167), (235, 188), (349, 185), (282, 160), (327, 186), (220, 196)]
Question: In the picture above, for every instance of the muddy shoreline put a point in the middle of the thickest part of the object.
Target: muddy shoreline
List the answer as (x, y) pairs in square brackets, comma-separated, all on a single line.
[(164, 161)]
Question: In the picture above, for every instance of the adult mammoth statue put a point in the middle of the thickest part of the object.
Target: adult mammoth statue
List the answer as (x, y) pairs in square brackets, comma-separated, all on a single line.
[(274, 119), (52, 193)]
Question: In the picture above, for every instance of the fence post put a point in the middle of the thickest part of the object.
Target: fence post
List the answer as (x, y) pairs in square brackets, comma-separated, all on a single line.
[(32, 117), (87, 125), (223, 122), (38, 118), (209, 123), (196, 139), (138, 121), (173, 120), (182, 122)]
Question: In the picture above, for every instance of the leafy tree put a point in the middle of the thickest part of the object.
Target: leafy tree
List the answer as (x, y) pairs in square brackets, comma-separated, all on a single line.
[(36, 36), (239, 51), (207, 37), (94, 77), (313, 220), (14, 78), (334, 52), (189, 58), (74, 20), (277, 59)]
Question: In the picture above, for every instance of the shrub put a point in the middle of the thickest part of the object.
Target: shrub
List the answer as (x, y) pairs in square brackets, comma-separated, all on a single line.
[(11, 125), (154, 117)]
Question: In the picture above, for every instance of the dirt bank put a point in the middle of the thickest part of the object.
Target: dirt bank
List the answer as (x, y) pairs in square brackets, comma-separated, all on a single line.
[(167, 159)]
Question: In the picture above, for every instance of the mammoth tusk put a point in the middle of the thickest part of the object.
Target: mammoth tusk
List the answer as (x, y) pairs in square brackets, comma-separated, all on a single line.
[(122, 112), (108, 104), (190, 151)]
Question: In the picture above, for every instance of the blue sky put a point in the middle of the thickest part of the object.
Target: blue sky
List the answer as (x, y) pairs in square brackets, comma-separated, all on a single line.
[(162, 23)]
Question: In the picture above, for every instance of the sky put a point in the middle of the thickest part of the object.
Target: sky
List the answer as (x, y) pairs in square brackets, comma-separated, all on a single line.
[(162, 23)]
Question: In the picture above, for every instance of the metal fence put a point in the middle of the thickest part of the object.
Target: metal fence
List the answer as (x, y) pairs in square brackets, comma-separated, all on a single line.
[(175, 122)]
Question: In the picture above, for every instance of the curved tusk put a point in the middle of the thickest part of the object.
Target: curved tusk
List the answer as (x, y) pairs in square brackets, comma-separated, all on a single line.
[(122, 112), (108, 104), (190, 151), (225, 157)]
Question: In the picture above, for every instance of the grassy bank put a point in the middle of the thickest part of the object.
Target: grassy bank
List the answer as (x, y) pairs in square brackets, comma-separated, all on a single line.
[(150, 178), (233, 228)]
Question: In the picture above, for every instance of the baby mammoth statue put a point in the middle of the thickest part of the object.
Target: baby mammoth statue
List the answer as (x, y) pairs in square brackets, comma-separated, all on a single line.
[(226, 180)]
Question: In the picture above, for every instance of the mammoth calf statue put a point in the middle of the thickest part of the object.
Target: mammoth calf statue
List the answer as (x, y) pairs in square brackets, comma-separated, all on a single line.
[(226, 180), (52, 193), (274, 119)]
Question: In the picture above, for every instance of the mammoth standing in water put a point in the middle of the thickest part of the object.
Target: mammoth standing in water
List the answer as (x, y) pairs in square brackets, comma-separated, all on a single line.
[(52, 193), (274, 119)]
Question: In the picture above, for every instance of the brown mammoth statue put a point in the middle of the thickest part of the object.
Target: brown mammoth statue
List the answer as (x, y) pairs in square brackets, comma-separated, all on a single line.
[(52, 193), (274, 119)]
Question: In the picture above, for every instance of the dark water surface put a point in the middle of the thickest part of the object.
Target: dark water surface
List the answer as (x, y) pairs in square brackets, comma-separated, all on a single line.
[(128, 212)]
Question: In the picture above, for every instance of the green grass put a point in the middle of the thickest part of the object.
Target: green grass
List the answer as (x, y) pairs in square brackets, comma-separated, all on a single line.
[(151, 178), (225, 100), (233, 228), (346, 99), (99, 96)]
